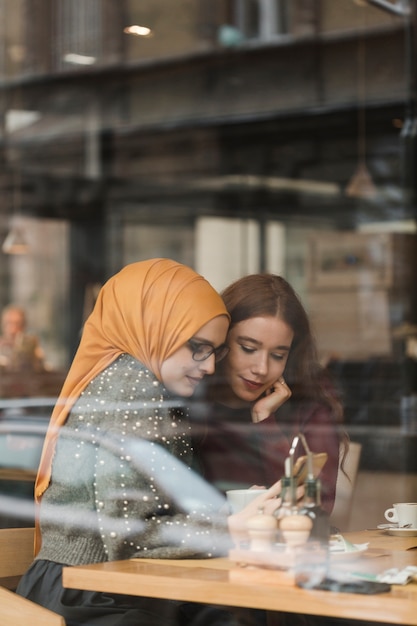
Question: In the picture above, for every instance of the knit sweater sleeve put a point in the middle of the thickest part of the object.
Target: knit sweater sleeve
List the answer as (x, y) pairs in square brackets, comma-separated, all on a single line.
[(151, 504), (130, 477)]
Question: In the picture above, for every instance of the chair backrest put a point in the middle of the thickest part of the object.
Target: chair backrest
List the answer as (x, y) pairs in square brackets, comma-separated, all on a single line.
[(345, 486), (16, 554), (17, 611)]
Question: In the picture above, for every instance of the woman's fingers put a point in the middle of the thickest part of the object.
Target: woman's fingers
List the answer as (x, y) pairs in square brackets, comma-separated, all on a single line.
[(279, 393), (268, 501)]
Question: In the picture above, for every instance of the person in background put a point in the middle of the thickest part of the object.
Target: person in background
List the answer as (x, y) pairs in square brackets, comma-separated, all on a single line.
[(269, 388), (114, 480), (19, 351)]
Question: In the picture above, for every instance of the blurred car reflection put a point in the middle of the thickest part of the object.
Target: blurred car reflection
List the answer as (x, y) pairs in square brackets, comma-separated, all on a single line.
[(22, 430), (23, 424)]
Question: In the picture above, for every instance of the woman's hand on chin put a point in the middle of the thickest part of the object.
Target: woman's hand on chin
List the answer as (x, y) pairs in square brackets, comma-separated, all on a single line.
[(271, 401)]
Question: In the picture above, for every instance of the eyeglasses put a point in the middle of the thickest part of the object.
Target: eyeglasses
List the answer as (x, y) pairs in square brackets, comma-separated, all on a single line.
[(202, 351)]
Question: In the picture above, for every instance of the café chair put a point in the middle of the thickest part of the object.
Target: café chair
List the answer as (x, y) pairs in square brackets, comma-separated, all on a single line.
[(345, 487), (16, 554)]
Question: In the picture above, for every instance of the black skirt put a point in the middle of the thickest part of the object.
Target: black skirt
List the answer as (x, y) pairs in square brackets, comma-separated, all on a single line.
[(42, 584)]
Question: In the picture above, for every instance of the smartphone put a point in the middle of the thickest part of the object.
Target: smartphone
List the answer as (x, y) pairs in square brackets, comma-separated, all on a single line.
[(353, 586), (300, 470)]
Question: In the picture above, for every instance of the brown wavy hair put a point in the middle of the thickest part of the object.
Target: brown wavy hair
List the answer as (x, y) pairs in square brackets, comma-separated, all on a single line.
[(260, 295)]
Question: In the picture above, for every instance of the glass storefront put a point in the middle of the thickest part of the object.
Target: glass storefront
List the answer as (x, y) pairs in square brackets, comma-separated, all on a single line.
[(235, 136)]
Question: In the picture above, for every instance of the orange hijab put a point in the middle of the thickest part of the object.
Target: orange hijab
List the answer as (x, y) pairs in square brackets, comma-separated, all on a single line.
[(148, 310)]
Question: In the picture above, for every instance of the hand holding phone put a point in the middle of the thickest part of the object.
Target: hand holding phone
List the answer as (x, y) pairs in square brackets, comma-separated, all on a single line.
[(300, 470)]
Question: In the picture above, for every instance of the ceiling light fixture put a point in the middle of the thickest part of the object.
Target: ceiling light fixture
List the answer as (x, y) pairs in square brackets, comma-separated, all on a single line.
[(79, 59), (15, 242), (139, 31), (361, 184)]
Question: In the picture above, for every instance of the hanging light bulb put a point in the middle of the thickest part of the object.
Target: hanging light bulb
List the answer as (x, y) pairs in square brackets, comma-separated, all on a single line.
[(361, 184), (15, 242)]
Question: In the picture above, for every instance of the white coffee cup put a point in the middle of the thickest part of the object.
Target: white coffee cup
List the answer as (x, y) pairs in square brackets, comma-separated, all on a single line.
[(403, 514), (239, 498)]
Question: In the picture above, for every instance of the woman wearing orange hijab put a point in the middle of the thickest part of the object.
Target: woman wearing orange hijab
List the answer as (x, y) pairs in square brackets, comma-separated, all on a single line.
[(110, 483)]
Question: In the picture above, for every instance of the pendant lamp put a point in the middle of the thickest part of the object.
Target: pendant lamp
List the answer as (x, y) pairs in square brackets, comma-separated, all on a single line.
[(361, 184), (15, 241)]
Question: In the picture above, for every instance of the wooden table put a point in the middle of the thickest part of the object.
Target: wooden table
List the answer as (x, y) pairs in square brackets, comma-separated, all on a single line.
[(220, 581)]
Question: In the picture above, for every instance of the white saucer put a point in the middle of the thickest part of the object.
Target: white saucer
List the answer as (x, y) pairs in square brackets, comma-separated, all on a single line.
[(402, 532), (386, 526), (349, 555)]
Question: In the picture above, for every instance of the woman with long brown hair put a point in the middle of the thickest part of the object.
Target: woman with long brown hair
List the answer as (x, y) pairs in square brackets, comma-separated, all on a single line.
[(269, 388)]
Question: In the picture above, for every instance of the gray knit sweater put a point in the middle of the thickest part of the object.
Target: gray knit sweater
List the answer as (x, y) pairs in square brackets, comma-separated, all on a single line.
[(121, 485)]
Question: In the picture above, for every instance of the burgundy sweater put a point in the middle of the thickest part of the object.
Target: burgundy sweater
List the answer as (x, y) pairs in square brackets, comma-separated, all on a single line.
[(232, 452)]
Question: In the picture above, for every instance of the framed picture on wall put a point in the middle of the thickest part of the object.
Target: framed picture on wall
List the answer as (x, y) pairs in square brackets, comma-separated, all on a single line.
[(349, 261)]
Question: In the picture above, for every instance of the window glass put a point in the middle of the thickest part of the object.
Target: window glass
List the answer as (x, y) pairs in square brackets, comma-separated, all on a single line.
[(237, 137)]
